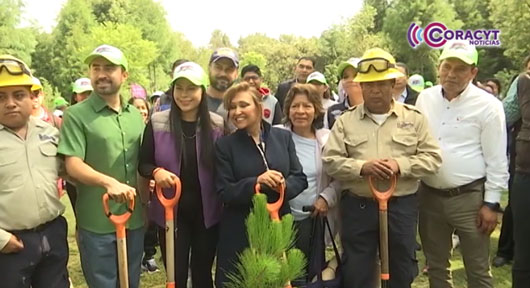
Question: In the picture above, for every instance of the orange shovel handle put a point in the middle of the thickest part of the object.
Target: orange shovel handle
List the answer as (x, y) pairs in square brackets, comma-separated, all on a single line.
[(118, 220), (274, 208), (169, 203), (383, 196)]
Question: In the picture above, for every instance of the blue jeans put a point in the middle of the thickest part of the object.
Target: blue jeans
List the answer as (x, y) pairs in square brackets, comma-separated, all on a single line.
[(99, 259)]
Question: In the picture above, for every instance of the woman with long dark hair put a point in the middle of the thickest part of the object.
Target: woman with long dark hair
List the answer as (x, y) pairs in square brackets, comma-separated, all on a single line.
[(179, 143)]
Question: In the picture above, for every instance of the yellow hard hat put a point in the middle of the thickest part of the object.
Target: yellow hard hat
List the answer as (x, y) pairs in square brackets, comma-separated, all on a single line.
[(377, 65), (14, 72), (37, 85)]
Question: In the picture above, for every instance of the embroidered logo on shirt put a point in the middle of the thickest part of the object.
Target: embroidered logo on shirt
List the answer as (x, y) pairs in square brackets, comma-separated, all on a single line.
[(404, 124), (44, 137)]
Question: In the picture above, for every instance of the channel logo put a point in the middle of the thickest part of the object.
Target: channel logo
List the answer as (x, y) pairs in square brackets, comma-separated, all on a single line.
[(436, 34), (414, 35)]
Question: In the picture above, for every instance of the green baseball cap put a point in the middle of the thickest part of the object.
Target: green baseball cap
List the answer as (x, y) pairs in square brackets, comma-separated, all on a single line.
[(416, 82), (82, 85), (318, 77), (111, 53), (461, 50), (60, 101), (352, 62), (191, 71)]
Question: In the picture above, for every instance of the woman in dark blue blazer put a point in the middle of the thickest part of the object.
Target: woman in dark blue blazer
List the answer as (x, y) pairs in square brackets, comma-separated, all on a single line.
[(254, 153)]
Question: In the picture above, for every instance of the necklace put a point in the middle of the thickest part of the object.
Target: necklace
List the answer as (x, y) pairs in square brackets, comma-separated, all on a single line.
[(189, 137)]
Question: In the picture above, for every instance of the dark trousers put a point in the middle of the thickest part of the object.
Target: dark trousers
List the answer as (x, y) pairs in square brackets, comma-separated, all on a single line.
[(150, 241), (506, 245), (303, 240), (42, 262), (71, 190), (360, 240), (521, 230), (192, 236)]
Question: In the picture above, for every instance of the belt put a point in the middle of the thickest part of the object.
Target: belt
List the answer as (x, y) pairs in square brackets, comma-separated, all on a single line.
[(38, 228), (451, 192)]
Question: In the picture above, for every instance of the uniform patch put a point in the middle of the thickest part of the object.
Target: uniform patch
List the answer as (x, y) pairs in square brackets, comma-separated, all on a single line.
[(405, 124), (44, 137)]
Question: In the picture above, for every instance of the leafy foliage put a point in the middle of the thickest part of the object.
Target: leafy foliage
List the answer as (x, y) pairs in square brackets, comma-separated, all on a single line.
[(266, 264)]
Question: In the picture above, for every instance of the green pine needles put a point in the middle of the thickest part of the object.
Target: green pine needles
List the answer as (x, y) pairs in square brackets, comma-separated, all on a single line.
[(264, 264)]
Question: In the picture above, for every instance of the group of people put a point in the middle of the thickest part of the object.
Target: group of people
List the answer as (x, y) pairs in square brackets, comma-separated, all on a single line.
[(446, 145)]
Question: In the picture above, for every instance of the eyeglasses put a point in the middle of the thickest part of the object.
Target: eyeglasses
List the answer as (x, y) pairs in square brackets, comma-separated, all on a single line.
[(14, 67), (378, 64), (253, 78)]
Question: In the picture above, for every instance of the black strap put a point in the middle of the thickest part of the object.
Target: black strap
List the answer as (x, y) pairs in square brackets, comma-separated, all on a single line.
[(337, 254), (335, 249)]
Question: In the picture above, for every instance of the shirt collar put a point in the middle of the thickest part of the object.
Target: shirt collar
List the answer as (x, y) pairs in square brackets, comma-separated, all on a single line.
[(364, 112), (462, 94), (98, 104), (32, 122), (405, 93)]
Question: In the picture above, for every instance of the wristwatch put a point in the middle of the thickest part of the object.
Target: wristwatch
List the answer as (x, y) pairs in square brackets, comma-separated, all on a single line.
[(493, 206)]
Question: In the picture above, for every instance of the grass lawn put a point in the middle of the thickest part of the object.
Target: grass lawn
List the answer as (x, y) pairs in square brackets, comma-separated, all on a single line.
[(502, 275)]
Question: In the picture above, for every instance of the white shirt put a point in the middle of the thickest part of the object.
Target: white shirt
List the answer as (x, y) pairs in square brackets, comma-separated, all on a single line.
[(471, 131), (326, 103), (403, 96), (379, 118)]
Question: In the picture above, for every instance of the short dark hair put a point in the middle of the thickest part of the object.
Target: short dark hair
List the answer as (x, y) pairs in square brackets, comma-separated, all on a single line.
[(309, 58), (496, 81), (404, 66), (250, 68), (313, 97), (177, 63)]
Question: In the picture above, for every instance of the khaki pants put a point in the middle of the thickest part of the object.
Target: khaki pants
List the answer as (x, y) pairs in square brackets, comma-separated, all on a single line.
[(440, 216)]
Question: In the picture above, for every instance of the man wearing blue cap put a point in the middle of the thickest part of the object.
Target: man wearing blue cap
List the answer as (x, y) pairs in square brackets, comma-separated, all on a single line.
[(464, 195), (222, 72), (100, 139)]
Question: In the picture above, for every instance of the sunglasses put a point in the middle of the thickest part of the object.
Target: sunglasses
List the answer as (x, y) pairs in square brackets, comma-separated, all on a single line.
[(378, 64), (14, 67)]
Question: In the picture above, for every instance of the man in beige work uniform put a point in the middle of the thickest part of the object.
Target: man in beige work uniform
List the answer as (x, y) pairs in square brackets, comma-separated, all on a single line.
[(33, 246), (379, 138)]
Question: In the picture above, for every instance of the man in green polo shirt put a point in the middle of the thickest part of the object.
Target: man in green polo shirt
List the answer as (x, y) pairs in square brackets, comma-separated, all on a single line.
[(100, 139)]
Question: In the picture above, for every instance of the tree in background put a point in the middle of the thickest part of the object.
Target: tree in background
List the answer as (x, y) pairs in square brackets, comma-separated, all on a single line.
[(219, 39), (349, 39), (400, 14), (509, 16), (19, 42), (57, 56)]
